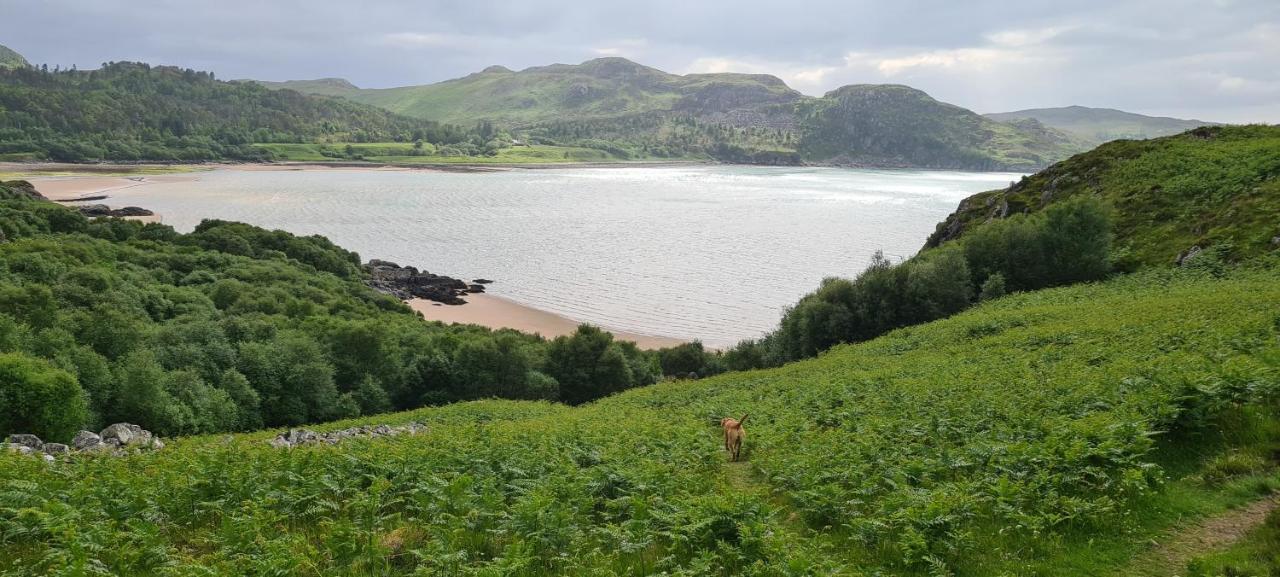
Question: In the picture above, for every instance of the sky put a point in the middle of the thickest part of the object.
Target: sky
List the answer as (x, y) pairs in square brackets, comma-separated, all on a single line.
[(1216, 60)]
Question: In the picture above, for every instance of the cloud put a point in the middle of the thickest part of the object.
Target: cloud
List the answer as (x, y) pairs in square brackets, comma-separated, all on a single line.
[(1215, 60)]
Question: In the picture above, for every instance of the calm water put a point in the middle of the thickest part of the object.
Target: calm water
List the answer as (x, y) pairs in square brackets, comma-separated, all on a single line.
[(713, 252)]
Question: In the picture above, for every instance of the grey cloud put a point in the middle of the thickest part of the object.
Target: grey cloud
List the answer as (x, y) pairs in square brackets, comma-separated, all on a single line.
[(1210, 59)]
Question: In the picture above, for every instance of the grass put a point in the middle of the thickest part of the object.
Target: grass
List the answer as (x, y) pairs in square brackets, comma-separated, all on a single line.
[(1213, 187), (1257, 555), (99, 170), (1047, 433), (403, 153)]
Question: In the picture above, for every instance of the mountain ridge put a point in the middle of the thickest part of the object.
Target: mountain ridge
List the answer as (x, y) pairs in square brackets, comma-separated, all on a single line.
[(1095, 126), (735, 117)]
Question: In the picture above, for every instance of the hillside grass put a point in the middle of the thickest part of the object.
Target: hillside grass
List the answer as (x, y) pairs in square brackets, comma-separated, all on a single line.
[(1046, 433), (1215, 186)]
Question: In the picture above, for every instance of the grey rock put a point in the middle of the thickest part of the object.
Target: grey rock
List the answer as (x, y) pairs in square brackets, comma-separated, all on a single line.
[(127, 434), (16, 448), (49, 458), (1275, 241), (156, 443), (279, 442), (86, 440), (56, 448), (31, 441), (119, 432)]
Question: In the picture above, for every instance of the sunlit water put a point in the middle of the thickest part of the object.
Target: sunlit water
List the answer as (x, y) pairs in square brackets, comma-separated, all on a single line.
[(713, 252)]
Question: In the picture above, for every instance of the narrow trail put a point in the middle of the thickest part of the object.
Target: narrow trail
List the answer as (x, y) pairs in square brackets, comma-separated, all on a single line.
[(1171, 555)]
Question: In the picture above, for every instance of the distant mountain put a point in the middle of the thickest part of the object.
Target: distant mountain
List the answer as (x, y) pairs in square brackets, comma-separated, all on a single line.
[(634, 110), (894, 125), (1211, 187), (600, 88), (11, 59), (1094, 126)]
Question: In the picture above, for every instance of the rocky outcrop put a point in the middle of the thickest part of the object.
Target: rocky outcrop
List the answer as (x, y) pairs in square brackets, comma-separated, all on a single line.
[(102, 210), (114, 439), (297, 437), (406, 282)]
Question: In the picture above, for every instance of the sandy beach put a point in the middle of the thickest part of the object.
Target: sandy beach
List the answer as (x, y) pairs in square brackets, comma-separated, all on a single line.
[(496, 312)]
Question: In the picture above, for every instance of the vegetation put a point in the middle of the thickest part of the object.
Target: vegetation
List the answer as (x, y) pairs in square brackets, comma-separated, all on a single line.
[(233, 327), (11, 59), (1052, 432), (634, 111), (1094, 126), (1210, 187), (892, 125), (128, 111), (1067, 244)]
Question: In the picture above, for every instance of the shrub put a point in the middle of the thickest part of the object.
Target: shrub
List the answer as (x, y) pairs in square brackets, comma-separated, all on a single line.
[(39, 399)]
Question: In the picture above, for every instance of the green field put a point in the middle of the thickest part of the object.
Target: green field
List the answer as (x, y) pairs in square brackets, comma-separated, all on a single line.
[(404, 153), (1046, 433)]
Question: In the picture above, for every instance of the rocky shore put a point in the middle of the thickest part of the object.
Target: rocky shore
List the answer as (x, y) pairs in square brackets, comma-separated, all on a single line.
[(406, 282)]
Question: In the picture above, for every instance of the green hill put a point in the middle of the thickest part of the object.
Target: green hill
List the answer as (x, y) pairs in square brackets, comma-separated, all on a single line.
[(633, 110), (11, 59), (1209, 187), (130, 111), (893, 125), (1095, 126), (600, 88)]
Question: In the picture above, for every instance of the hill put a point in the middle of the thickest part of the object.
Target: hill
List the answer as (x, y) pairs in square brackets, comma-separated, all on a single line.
[(600, 88), (1094, 126), (11, 59), (893, 125), (130, 111), (1049, 433), (1209, 187), (636, 111)]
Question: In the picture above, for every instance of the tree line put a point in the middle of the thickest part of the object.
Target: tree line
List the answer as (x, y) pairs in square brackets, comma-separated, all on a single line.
[(1068, 242)]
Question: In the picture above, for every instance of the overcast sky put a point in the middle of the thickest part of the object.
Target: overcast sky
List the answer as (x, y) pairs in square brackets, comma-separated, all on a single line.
[(1207, 59)]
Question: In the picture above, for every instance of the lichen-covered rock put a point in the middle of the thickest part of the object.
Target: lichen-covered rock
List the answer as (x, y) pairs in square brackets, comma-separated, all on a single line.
[(85, 440), (56, 448), (25, 440), (295, 437), (16, 448), (127, 434)]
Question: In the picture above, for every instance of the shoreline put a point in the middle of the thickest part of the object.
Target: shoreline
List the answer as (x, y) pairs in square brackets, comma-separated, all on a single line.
[(495, 312), (482, 309)]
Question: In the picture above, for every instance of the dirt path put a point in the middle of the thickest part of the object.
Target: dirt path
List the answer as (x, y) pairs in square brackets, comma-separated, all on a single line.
[(1173, 553)]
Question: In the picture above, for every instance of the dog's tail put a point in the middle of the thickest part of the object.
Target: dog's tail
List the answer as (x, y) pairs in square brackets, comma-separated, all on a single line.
[(744, 418)]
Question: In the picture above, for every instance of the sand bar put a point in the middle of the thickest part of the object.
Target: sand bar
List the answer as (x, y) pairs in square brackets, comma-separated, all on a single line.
[(496, 312)]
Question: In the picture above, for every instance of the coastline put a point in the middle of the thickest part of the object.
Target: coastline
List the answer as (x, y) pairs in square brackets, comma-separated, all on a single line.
[(496, 312)]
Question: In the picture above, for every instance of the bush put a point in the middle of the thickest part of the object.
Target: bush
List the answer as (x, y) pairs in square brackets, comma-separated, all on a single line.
[(39, 399)]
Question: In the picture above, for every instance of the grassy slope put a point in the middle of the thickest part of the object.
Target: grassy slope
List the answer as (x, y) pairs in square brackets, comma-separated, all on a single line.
[(1213, 186), (11, 59), (1015, 438), (1098, 125)]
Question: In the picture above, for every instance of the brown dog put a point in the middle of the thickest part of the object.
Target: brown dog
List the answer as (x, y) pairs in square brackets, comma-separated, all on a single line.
[(733, 435)]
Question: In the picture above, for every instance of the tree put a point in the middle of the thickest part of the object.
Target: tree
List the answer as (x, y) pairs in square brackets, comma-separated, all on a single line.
[(587, 365), (39, 399)]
